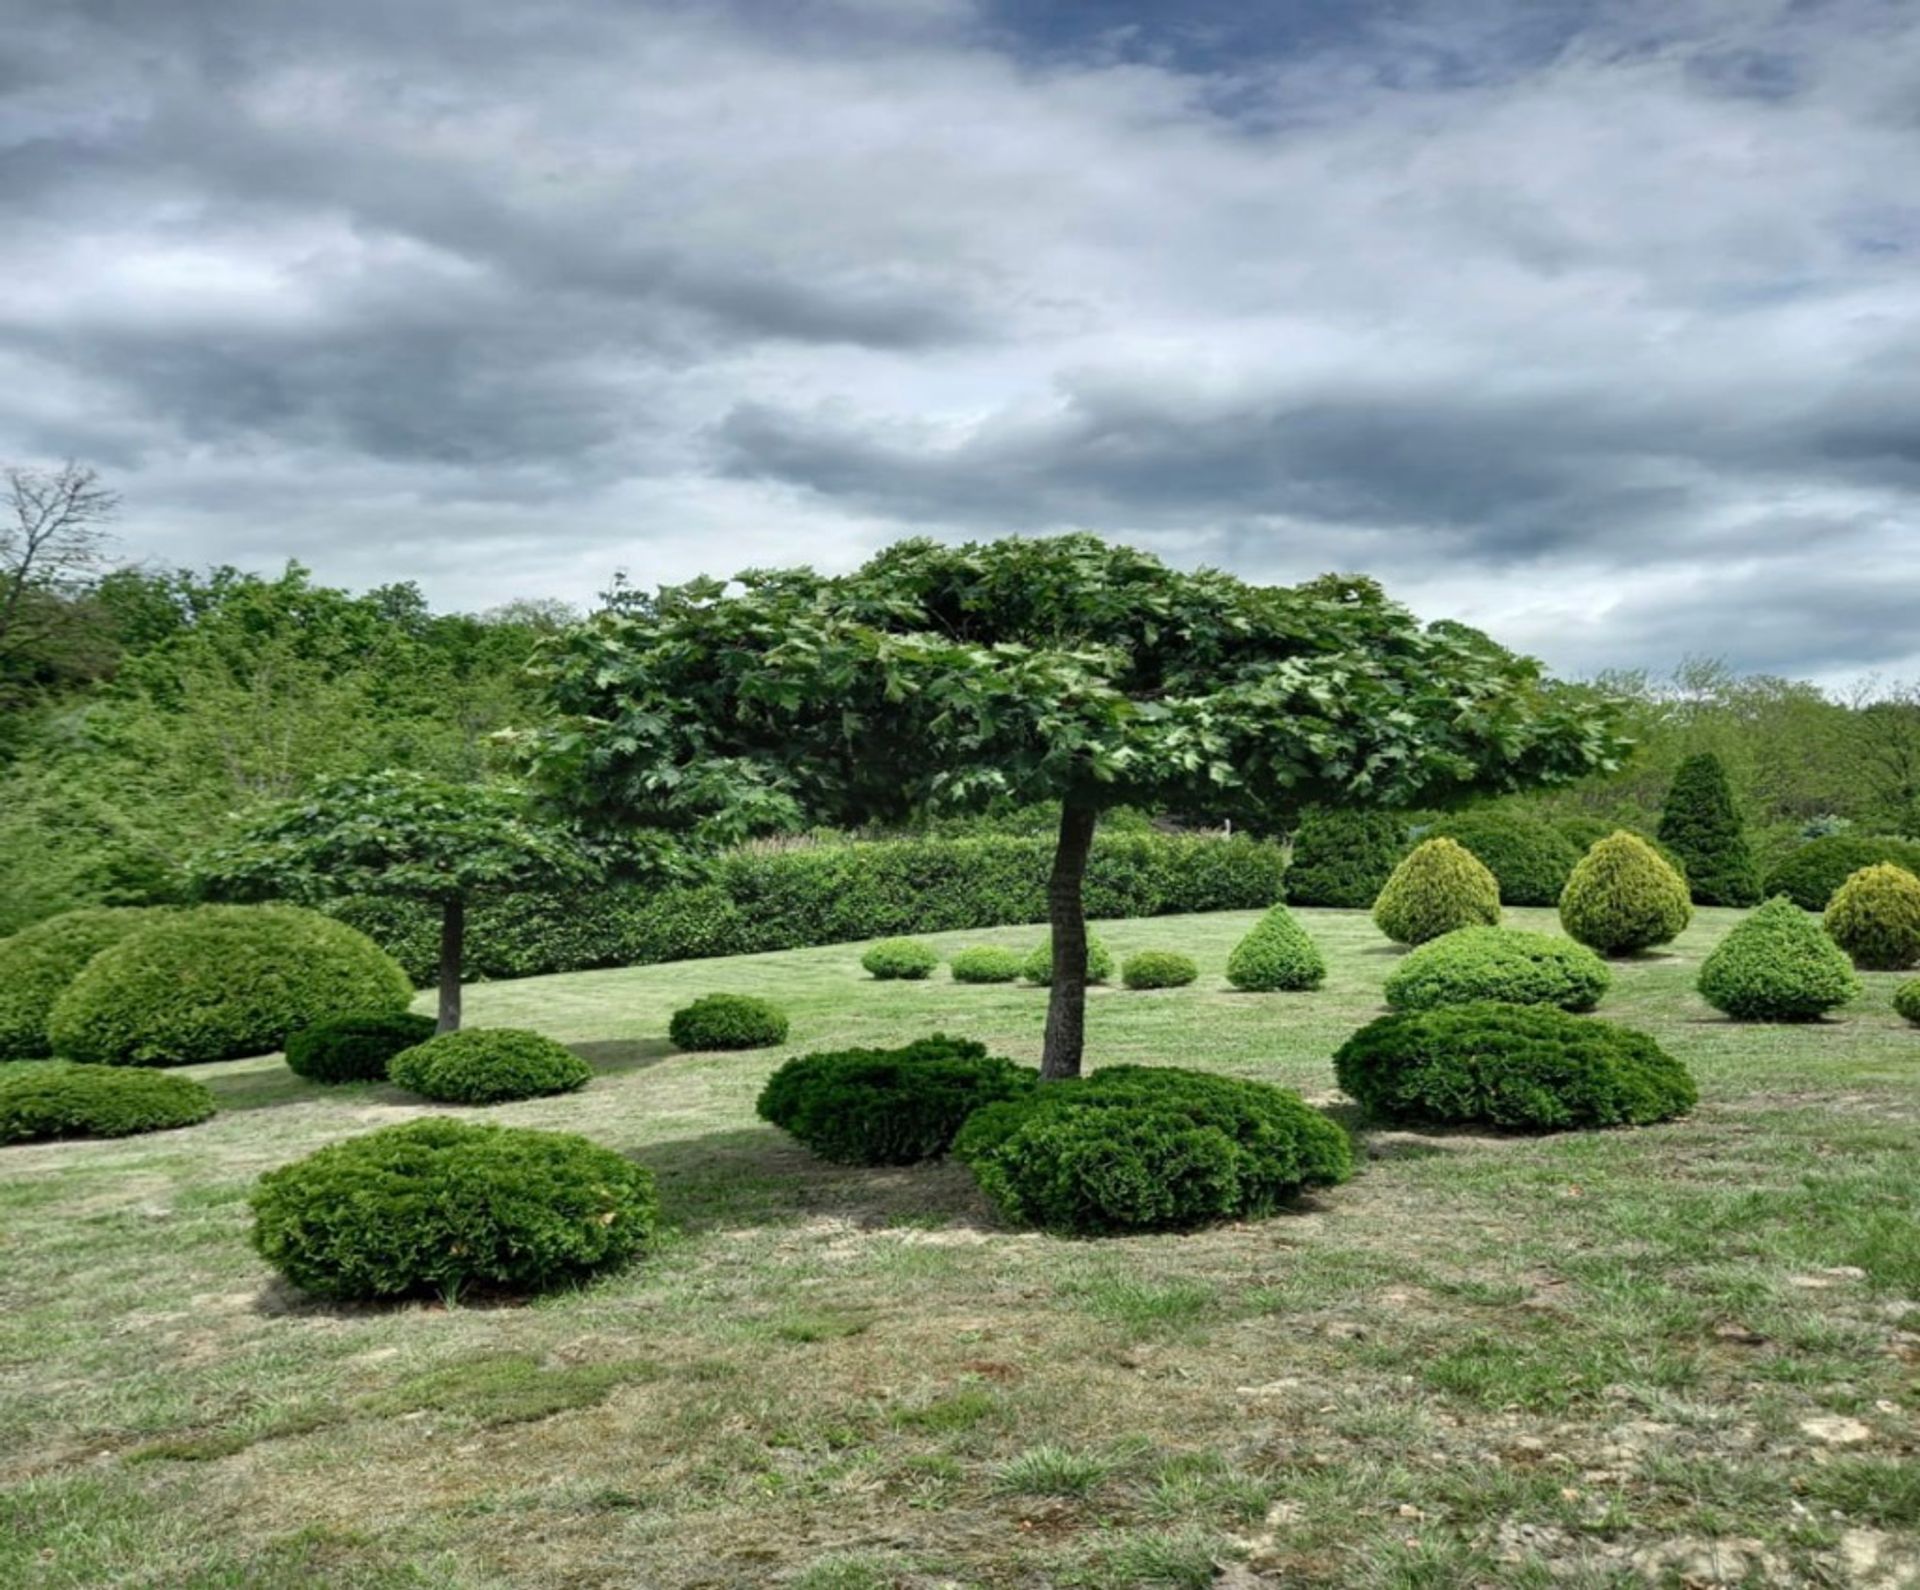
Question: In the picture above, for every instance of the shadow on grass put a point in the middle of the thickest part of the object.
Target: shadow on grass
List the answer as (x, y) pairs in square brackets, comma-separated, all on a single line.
[(616, 1056)]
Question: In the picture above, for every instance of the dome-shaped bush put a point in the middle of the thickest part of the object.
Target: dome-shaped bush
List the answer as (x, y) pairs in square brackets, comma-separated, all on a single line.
[(888, 1106), (728, 1021), (1482, 963), (1510, 1065), (1622, 897), (1582, 832), (354, 1048), (38, 963), (54, 1098), (1276, 955), (1906, 1000), (220, 982), (1038, 966), (438, 1206), (1144, 1148), (901, 959), (1700, 824), (1777, 965), (488, 1065), (1875, 917), (1530, 861), (1809, 875), (1342, 856), (986, 963), (1438, 888), (1158, 969)]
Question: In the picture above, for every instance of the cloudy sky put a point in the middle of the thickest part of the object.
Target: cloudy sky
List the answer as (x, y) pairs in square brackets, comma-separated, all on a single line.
[(1595, 323)]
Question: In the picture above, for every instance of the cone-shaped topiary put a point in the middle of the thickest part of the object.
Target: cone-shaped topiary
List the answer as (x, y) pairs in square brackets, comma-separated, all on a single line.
[(1875, 917), (1439, 887), (1038, 967), (1277, 955), (1906, 1000), (1777, 965), (1622, 897), (1343, 856), (1531, 861), (38, 963), (1481, 963), (1701, 825)]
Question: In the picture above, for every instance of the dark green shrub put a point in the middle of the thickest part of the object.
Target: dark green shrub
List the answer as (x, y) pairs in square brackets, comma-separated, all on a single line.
[(438, 1206), (1158, 969), (1530, 861), (1343, 856), (728, 1021), (1490, 963), (1143, 1148), (888, 1106), (219, 982), (1276, 955), (1528, 1066), (1875, 917), (1906, 1000), (1700, 824), (1583, 833), (488, 1065), (38, 963), (901, 959), (1809, 874), (986, 963), (1777, 965), (1038, 966), (1622, 897), (1438, 888), (55, 1098), (354, 1048)]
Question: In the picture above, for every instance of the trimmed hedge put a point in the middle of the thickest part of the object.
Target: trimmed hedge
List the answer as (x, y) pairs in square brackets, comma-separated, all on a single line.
[(1343, 856), (1623, 897), (894, 960), (1441, 886), (888, 1106), (1158, 969), (1777, 965), (1144, 1148), (1810, 874), (488, 1065), (1530, 861), (728, 1021), (1527, 1066), (438, 1206), (354, 1048), (1875, 917), (55, 1098), (1504, 964), (1038, 966), (1906, 1000), (1700, 824), (986, 963), (1276, 955), (38, 963), (219, 982)]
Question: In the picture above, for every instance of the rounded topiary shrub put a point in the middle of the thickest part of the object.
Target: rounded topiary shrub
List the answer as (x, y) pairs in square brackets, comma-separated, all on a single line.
[(1480, 963), (1343, 856), (439, 1206), (1144, 1148), (219, 982), (901, 959), (488, 1065), (1441, 886), (38, 963), (354, 1048), (1777, 965), (986, 963), (55, 1098), (1530, 861), (1038, 966), (1623, 897), (728, 1021), (1875, 917), (1809, 874), (1158, 969), (1700, 824), (1583, 833), (888, 1106), (1906, 1000), (1276, 955), (1528, 1066)]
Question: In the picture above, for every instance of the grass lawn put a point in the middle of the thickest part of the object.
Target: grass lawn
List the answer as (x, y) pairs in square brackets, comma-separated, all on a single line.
[(1683, 1355)]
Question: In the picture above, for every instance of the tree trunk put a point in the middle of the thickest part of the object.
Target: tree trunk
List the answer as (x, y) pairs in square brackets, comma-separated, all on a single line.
[(1067, 1006), (453, 939)]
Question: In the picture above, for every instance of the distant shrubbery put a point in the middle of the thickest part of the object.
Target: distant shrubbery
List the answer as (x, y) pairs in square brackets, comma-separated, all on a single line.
[(1343, 856), (1809, 875), (728, 1021), (1158, 969), (1777, 965), (895, 960), (488, 1065), (1515, 968), (986, 963), (354, 1048), (38, 963), (1276, 955), (1528, 859), (55, 1098), (1038, 966), (1438, 888)]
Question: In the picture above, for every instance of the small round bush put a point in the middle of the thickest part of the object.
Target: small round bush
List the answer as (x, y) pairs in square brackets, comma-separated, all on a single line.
[(219, 982), (888, 1106), (728, 1021), (1530, 861), (488, 1065), (1038, 966), (1480, 963), (1777, 965), (38, 963), (438, 1206), (1906, 1000), (55, 1098), (1276, 955), (1526, 1066), (1343, 856), (1623, 897), (1875, 917), (894, 959), (1144, 1148), (354, 1048), (1439, 887), (1158, 969), (1809, 874), (986, 963)]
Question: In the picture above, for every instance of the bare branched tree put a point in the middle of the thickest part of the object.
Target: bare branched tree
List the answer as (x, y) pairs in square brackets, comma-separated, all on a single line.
[(52, 536)]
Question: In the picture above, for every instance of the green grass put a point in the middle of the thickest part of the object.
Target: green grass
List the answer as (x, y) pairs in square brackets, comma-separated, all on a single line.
[(1590, 1360)]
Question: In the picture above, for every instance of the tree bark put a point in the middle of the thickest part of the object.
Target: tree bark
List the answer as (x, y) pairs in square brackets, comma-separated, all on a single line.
[(453, 940), (1066, 911)]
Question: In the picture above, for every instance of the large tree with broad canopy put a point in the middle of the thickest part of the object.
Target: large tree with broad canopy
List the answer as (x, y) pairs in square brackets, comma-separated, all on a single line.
[(1064, 669)]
